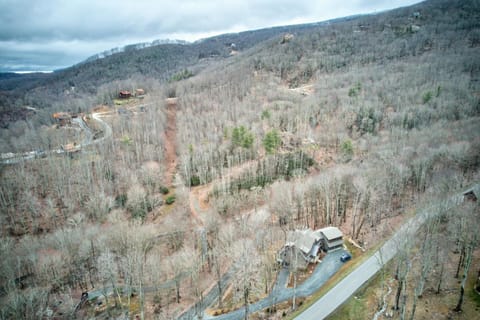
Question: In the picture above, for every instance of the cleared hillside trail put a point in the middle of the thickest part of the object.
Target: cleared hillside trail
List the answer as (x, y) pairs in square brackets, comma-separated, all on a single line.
[(170, 139)]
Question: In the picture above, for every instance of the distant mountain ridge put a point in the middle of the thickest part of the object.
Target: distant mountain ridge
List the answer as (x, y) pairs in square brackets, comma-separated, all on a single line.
[(131, 47)]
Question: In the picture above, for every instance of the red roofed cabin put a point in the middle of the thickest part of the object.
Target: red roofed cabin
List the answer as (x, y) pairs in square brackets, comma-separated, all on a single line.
[(124, 94), (63, 118)]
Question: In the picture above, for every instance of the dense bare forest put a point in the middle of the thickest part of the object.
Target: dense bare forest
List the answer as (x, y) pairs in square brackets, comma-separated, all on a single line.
[(358, 123)]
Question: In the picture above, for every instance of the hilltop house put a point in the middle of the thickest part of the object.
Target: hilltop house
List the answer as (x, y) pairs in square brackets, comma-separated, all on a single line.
[(303, 246), (287, 37)]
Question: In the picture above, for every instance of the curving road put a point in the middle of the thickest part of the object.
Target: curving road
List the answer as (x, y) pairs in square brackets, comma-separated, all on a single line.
[(107, 130), (14, 158), (88, 133), (323, 272), (345, 288)]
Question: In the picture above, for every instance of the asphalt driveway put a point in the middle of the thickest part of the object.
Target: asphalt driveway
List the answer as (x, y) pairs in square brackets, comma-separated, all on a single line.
[(324, 270)]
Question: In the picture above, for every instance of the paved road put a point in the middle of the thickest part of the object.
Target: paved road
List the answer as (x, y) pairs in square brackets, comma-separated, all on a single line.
[(107, 130), (345, 288), (88, 133), (209, 299)]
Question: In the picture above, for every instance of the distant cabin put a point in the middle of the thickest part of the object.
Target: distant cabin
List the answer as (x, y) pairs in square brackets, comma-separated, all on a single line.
[(63, 118), (139, 92), (287, 38), (70, 147), (304, 246), (124, 94), (471, 194)]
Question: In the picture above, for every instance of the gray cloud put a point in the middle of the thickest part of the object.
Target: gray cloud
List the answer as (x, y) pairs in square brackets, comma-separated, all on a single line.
[(63, 32)]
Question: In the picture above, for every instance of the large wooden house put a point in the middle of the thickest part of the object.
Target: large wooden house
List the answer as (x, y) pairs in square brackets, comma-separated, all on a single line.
[(304, 246)]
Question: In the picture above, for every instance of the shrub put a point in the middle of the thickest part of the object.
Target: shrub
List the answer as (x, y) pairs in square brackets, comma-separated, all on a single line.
[(184, 74), (241, 137), (121, 200), (272, 141), (171, 92), (353, 92), (266, 114), (126, 140), (164, 190), (194, 181), (248, 141), (368, 120), (427, 96), (346, 149), (170, 200)]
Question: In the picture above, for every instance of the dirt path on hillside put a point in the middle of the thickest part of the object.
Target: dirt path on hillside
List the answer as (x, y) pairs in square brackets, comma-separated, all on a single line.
[(195, 201), (171, 141), (199, 196)]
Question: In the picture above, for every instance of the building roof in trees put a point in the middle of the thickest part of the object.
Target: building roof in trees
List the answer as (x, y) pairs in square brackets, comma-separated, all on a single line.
[(331, 233), (303, 239), (124, 94), (472, 194), (62, 116), (307, 239), (309, 242)]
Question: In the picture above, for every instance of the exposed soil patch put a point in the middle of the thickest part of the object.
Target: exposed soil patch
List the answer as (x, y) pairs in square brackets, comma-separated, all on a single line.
[(304, 90), (199, 196)]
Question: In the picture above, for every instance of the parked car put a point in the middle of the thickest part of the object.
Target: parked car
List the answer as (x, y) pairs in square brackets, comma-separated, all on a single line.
[(345, 257)]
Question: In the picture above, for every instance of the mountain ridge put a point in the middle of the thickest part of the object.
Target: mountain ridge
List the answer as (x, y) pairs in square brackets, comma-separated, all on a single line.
[(134, 46), (161, 62)]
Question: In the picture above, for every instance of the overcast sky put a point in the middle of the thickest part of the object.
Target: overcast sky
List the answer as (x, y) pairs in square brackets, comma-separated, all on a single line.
[(45, 35)]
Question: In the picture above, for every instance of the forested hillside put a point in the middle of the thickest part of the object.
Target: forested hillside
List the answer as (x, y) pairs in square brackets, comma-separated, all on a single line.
[(91, 79), (359, 123)]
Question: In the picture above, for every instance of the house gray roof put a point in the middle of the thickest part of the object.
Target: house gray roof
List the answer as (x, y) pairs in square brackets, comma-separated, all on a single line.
[(331, 233), (303, 239), (318, 234)]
